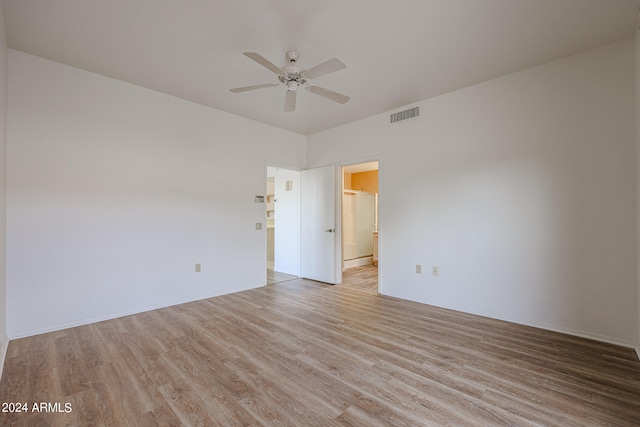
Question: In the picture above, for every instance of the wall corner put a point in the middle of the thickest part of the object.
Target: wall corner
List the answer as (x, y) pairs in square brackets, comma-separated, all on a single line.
[(637, 117), (3, 353)]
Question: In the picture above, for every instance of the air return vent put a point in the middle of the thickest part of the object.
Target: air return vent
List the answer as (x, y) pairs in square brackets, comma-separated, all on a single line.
[(406, 114)]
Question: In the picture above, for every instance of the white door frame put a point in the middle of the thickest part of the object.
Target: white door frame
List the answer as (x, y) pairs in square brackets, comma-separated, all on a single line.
[(338, 208), (341, 166)]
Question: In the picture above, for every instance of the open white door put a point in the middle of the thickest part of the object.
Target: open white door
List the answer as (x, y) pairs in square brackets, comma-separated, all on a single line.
[(318, 225)]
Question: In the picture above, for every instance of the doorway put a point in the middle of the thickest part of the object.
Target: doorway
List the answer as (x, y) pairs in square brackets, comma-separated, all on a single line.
[(282, 210), (360, 219)]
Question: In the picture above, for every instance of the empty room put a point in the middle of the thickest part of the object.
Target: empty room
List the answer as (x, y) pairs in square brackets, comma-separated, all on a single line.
[(304, 213)]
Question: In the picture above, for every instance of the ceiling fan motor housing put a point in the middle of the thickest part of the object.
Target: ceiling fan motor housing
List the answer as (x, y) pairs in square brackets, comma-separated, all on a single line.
[(292, 56), (293, 73)]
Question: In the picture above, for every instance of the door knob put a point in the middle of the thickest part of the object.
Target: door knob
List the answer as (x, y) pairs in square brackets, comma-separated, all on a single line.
[(331, 230)]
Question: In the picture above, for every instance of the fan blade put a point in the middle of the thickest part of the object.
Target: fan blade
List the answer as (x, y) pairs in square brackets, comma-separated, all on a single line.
[(246, 88), (329, 94), (325, 68), (290, 101), (264, 62)]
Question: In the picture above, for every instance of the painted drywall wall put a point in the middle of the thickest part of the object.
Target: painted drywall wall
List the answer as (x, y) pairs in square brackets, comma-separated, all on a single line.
[(365, 181), (115, 192), (520, 189), (4, 341), (637, 81), (287, 222), (346, 180)]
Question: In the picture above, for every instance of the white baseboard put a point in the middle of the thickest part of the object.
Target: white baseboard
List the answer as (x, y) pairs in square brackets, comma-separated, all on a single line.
[(115, 315), (3, 353), (590, 336), (569, 331), (577, 333), (358, 262)]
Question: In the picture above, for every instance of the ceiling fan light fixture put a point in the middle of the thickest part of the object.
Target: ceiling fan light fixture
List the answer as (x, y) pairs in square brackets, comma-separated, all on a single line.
[(293, 77)]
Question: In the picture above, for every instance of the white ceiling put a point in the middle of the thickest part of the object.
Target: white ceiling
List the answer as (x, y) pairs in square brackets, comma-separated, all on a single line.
[(397, 52)]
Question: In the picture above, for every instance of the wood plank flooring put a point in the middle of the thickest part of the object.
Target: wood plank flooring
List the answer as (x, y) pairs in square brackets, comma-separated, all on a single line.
[(274, 277), (302, 353), (364, 278)]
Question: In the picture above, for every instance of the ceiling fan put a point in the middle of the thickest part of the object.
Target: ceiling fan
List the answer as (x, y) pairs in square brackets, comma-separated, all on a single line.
[(294, 77)]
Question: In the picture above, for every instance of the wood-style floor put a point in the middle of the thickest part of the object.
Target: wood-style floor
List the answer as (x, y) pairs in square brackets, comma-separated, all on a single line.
[(301, 353), (274, 277)]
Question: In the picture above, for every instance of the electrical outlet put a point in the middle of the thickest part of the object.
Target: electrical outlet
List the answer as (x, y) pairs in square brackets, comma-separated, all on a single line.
[(435, 271), (258, 226), (198, 267), (418, 269)]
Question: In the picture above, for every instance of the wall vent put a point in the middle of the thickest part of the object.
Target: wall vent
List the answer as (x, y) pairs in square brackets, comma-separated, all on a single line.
[(406, 114)]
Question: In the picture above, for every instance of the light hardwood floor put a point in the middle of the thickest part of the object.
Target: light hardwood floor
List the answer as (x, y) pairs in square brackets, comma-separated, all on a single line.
[(302, 353), (277, 277)]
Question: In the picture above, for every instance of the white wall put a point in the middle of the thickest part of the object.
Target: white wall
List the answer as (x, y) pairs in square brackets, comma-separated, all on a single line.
[(521, 190), (4, 341), (115, 192), (637, 81), (287, 222)]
